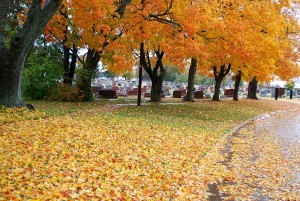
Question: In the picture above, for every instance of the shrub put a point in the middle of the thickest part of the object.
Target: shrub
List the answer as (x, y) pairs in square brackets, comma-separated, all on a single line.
[(64, 92)]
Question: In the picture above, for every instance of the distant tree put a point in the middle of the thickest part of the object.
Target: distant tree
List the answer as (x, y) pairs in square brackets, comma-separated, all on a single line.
[(171, 73), (207, 80), (290, 86), (182, 78)]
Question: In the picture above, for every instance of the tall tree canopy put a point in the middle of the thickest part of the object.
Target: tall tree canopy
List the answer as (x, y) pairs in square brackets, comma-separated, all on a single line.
[(89, 25), (246, 35), (252, 38)]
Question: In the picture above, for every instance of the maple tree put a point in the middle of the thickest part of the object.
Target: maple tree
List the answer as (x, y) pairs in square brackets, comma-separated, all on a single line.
[(60, 31), (16, 40), (245, 37), (279, 44), (89, 25), (142, 28), (220, 34), (286, 64), (233, 37), (160, 33), (189, 41)]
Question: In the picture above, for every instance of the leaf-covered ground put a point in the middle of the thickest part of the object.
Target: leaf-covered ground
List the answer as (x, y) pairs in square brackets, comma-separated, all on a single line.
[(99, 151)]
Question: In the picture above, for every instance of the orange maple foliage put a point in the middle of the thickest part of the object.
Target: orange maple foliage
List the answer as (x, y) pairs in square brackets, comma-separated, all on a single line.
[(245, 34), (250, 35), (87, 23)]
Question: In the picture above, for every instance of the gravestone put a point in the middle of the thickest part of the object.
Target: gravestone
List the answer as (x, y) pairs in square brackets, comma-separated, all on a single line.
[(107, 93), (198, 94), (177, 94), (96, 91), (229, 92)]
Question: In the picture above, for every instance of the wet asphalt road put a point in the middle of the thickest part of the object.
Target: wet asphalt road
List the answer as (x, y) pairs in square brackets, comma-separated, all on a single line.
[(284, 126)]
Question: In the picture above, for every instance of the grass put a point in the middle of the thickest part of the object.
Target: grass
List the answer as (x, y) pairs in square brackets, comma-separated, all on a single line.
[(53, 108)]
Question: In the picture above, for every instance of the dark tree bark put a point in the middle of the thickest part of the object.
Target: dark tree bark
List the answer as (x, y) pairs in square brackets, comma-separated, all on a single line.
[(156, 74), (238, 79), (252, 88), (73, 63), (69, 67), (14, 51), (122, 6), (191, 81), (66, 79), (140, 75), (157, 81), (219, 76), (88, 72), (157, 77)]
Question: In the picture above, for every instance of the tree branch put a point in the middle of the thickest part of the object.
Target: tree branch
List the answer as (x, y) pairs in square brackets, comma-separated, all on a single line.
[(227, 70), (147, 64), (122, 7)]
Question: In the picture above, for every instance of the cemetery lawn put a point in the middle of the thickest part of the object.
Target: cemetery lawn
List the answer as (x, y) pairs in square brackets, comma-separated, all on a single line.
[(104, 151)]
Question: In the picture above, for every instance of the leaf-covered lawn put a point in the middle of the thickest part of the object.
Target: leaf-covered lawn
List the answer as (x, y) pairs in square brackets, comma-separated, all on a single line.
[(153, 152)]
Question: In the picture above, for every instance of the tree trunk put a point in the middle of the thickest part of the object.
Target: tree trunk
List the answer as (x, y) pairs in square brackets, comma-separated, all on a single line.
[(66, 79), (252, 88), (237, 86), (156, 74), (140, 75), (73, 63), (10, 78), (87, 74), (156, 88), (69, 68), (216, 96), (13, 56), (191, 81), (219, 76)]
